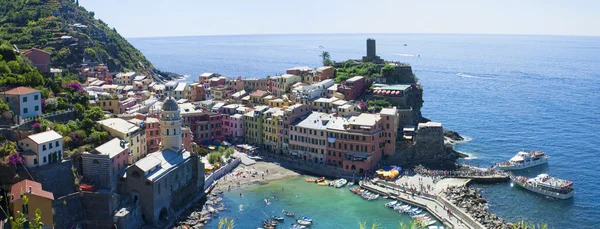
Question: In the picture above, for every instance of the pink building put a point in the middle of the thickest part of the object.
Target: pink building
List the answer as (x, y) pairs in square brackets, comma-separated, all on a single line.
[(152, 134), (186, 137), (308, 138), (233, 127), (126, 103), (353, 88)]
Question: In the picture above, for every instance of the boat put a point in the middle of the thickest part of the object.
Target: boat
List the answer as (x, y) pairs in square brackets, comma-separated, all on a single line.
[(310, 180), (351, 183), (546, 185), (459, 74), (373, 197), (307, 219), (418, 216), (391, 204), (278, 218), (271, 223), (295, 226), (524, 160), (324, 183), (416, 212), (320, 179), (303, 222), (286, 213), (341, 182), (425, 223)]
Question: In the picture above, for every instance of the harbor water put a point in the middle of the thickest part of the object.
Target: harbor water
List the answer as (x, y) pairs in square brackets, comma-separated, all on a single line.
[(329, 207), (514, 93)]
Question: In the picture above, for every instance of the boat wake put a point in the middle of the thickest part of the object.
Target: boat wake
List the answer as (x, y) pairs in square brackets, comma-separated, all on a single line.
[(460, 74), (241, 207), (406, 54), (465, 139)]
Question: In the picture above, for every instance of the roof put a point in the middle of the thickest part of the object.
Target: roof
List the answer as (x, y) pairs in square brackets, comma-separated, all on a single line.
[(28, 186), (25, 52), (398, 87), (337, 123), (44, 137), (324, 68), (142, 77), (151, 120), (351, 80), (170, 105), (340, 102), (315, 121), (20, 91), (388, 111), (430, 124), (111, 148), (287, 76), (119, 124), (207, 74), (364, 119), (258, 93), (301, 68), (160, 162), (180, 86), (239, 93)]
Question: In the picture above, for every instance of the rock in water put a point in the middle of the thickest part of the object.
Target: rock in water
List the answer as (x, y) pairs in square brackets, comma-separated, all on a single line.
[(453, 135)]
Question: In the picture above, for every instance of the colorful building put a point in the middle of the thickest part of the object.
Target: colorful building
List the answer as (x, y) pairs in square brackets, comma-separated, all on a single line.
[(38, 199), (42, 148), (272, 121), (23, 101), (253, 123), (353, 88), (104, 164)]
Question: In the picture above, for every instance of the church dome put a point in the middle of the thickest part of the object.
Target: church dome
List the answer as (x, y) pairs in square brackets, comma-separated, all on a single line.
[(170, 105)]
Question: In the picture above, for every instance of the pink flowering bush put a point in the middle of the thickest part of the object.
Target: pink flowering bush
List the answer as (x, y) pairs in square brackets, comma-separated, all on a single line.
[(16, 159)]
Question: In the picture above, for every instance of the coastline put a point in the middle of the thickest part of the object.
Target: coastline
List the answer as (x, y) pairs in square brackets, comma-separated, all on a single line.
[(259, 173)]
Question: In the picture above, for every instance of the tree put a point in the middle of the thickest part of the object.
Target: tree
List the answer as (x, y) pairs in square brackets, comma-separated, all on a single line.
[(8, 148), (214, 157), (79, 111), (387, 70), (326, 58), (94, 113), (3, 107), (202, 151), (228, 152)]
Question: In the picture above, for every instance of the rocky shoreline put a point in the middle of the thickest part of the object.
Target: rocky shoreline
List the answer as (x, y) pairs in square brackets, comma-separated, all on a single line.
[(469, 201), (202, 213)]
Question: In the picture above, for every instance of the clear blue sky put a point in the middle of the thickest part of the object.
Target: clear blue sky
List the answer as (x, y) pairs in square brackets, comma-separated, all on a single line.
[(161, 18)]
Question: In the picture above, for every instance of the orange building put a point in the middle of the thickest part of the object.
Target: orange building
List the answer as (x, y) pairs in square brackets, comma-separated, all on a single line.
[(38, 199)]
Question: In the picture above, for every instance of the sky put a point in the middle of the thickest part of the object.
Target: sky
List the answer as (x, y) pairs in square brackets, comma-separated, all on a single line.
[(165, 18)]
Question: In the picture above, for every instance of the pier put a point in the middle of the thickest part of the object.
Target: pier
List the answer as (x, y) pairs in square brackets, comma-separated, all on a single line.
[(436, 205)]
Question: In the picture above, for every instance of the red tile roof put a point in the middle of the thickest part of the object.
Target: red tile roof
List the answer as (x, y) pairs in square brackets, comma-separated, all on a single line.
[(27, 51), (20, 91), (24, 187), (258, 93)]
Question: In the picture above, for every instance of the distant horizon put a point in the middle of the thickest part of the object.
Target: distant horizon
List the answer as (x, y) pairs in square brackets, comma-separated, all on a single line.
[(157, 18), (290, 34)]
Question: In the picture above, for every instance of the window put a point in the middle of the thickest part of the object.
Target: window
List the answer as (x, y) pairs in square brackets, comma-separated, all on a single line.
[(45, 160), (37, 108), (49, 145), (43, 147), (24, 99), (36, 97), (56, 144), (25, 209), (25, 110), (95, 161), (35, 162)]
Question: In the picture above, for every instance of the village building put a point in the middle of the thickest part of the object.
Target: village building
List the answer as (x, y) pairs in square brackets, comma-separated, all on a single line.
[(42, 149), (24, 102), (38, 199), (133, 135), (39, 58), (103, 165)]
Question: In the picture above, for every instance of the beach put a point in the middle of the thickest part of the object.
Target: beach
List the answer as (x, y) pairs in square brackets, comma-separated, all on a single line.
[(259, 173)]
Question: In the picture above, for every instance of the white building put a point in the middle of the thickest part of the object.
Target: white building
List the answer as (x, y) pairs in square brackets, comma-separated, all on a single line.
[(313, 91), (23, 101), (42, 148), (180, 91)]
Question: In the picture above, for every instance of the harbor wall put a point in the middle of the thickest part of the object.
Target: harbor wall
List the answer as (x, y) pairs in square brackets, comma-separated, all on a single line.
[(210, 179), (466, 218)]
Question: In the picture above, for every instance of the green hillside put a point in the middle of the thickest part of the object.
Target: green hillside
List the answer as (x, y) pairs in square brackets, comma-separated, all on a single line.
[(70, 33)]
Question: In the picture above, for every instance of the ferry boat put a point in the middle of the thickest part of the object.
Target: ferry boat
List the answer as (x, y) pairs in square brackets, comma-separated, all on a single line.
[(524, 160), (546, 185)]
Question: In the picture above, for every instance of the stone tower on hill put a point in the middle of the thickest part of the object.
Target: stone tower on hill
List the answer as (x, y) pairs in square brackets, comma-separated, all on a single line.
[(372, 52)]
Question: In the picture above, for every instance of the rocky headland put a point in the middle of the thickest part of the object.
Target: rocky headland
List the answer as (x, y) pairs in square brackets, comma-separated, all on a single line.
[(469, 201)]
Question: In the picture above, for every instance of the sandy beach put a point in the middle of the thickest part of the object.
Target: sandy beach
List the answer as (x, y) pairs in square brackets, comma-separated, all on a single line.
[(257, 174)]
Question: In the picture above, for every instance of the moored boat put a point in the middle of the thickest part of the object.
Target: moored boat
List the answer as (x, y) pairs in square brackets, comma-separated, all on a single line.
[(287, 213), (278, 218), (323, 183), (310, 180), (546, 185), (303, 222), (340, 183), (391, 204), (524, 160), (320, 179)]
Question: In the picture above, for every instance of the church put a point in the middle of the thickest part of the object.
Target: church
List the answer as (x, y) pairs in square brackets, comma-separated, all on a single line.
[(166, 180)]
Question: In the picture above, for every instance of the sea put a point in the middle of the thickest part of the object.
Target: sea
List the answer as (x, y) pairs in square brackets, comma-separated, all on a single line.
[(513, 93)]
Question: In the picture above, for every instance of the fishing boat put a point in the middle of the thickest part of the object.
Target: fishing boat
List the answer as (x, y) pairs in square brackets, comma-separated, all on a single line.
[(524, 160), (341, 182), (310, 180), (324, 183), (546, 185), (287, 213), (391, 204), (278, 218), (373, 197), (303, 222)]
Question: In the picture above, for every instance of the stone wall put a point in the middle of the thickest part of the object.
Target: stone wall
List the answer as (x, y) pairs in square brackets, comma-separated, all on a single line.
[(68, 210), (56, 178), (98, 209)]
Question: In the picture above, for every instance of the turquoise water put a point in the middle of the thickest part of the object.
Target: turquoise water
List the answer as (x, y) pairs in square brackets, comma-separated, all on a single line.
[(517, 92), (328, 207)]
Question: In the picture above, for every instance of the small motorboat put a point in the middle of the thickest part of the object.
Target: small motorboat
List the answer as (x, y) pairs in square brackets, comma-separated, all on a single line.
[(278, 218), (287, 213), (303, 222), (373, 197), (310, 180), (341, 182), (307, 219), (416, 212), (295, 226), (324, 183), (428, 222), (391, 204), (320, 179), (271, 223)]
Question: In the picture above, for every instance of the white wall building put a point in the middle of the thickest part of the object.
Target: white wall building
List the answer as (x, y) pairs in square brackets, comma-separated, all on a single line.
[(42, 148), (23, 101)]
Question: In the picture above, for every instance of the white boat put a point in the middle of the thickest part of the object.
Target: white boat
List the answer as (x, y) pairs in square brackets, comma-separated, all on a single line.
[(373, 197), (303, 222), (391, 204), (546, 185), (524, 160), (426, 223), (340, 183)]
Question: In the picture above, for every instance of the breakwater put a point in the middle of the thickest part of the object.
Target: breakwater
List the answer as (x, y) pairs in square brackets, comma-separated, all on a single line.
[(467, 200)]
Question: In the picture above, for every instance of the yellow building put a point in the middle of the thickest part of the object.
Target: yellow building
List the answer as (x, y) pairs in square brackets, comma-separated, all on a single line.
[(272, 122), (109, 103), (281, 103), (37, 199)]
